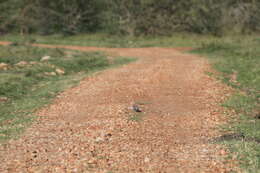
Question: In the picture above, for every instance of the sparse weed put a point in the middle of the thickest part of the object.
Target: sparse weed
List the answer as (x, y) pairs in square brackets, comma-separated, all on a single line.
[(137, 117)]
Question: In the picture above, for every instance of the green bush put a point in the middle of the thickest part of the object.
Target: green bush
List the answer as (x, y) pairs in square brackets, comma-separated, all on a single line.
[(130, 17)]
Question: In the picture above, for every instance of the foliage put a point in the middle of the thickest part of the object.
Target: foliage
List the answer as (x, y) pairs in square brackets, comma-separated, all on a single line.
[(131, 17), (107, 40), (238, 60), (46, 17)]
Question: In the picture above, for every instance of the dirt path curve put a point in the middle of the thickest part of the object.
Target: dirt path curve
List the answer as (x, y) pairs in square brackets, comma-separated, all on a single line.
[(88, 128)]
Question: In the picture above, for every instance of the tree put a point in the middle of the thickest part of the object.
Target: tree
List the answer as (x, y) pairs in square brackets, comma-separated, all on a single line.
[(130, 17)]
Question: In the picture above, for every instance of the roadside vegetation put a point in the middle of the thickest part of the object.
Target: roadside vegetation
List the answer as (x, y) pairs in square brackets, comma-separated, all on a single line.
[(238, 60), (129, 17), (30, 77), (114, 41)]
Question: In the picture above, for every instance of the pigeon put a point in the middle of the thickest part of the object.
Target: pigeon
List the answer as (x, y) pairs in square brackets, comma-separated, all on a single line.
[(136, 108)]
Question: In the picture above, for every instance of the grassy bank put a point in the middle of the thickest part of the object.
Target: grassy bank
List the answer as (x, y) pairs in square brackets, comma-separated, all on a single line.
[(105, 40), (238, 60), (30, 77)]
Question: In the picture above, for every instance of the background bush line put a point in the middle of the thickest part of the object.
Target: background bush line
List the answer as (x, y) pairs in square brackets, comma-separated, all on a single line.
[(130, 17)]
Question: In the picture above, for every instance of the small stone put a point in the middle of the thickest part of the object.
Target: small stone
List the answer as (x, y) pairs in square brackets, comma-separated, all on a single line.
[(204, 150), (75, 170), (92, 161), (3, 66), (223, 152), (99, 139), (46, 58), (3, 99), (33, 62), (50, 73), (108, 135), (146, 160), (22, 63), (59, 71), (53, 74)]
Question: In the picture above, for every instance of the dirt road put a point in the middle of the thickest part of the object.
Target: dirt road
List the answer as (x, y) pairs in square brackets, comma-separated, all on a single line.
[(90, 127)]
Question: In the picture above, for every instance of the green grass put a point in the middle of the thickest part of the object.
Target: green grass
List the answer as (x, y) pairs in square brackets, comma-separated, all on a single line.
[(238, 60), (27, 88), (105, 40), (137, 117)]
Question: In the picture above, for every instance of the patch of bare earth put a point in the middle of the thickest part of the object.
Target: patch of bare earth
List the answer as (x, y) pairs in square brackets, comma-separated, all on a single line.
[(87, 128)]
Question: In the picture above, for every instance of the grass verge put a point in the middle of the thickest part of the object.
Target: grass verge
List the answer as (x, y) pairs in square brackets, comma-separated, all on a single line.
[(238, 60), (30, 77), (105, 40)]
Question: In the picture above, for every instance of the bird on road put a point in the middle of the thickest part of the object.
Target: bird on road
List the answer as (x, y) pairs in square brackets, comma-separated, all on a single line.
[(136, 108)]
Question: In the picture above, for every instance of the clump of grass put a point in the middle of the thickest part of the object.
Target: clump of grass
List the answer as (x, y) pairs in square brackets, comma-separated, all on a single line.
[(28, 87), (137, 117), (122, 61), (215, 46), (238, 60), (79, 63)]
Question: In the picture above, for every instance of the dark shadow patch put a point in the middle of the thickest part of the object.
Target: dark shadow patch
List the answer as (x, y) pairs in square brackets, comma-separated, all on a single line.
[(235, 137)]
